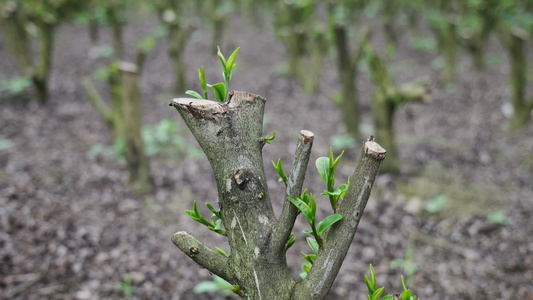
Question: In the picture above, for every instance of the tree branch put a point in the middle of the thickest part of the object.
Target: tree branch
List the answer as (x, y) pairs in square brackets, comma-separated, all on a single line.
[(96, 100), (202, 254), (329, 259), (283, 227)]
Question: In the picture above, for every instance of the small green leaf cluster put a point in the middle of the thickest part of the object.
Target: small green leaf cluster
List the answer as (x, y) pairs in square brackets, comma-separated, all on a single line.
[(309, 258), (375, 294), (220, 89), (125, 286), (269, 138), (279, 168), (371, 284), (213, 224), (326, 167), (307, 206)]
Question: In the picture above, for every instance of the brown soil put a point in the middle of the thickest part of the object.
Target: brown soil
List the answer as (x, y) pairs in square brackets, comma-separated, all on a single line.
[(70, 227)]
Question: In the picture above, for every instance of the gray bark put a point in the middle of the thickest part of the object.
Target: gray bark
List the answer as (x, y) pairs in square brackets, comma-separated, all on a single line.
[(230, 134)]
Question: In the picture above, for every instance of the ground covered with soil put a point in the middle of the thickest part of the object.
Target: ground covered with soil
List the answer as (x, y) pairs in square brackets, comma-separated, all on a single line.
[(71, 228)]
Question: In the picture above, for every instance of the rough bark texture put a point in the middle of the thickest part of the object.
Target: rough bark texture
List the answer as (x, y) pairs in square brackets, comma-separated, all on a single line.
[(230, 134)]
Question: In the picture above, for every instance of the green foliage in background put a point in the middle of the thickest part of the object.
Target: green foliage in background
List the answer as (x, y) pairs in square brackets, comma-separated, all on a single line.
[(217, 285), (407, 264), (15, 86)]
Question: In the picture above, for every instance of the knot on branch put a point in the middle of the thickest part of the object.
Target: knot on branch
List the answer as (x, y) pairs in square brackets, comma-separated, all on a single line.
[(241, 179)]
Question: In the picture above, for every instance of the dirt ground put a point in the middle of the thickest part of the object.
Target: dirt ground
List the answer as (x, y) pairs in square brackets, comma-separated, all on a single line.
[(70, 227)]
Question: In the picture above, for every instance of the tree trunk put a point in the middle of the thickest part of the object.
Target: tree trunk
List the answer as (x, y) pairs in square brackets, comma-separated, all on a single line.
[(386, 98), (178, 37), (18, 42), (40, 76), (230, 134), (518, 81), (137, 161), (448, 41), (347, 68), (116, 27)]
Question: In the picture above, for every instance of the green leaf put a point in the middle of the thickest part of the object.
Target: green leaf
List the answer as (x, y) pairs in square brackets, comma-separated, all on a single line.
[(303, 275), (213, 210), (309, 257), (305, 197), (222, 252), (327, 222), (290, 242), (313, 244), (196, 215), (497, 217), (403, 284), (219, 90), (304, 208), (378, 293), (217, 224), (338, 192), (406, 295), (322, 165), (279, 169), (312, 205), (369, 285), (307, 268), (203, 83), (436, 204), (230, 63), (347, 186), (373, 278), (336, 162), (330, 160), (194, 94), (222, 59), (223, 284), (206, 287), (269, 138)]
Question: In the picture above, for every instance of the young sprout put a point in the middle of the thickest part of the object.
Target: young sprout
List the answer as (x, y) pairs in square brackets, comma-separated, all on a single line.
[(221, 89)]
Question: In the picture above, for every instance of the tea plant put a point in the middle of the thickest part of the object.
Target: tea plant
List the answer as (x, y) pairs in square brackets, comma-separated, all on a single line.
[(407, 264), (125, 286), (220, 89), (306, 204), (232, 138), (375, 293), (213, 224)]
